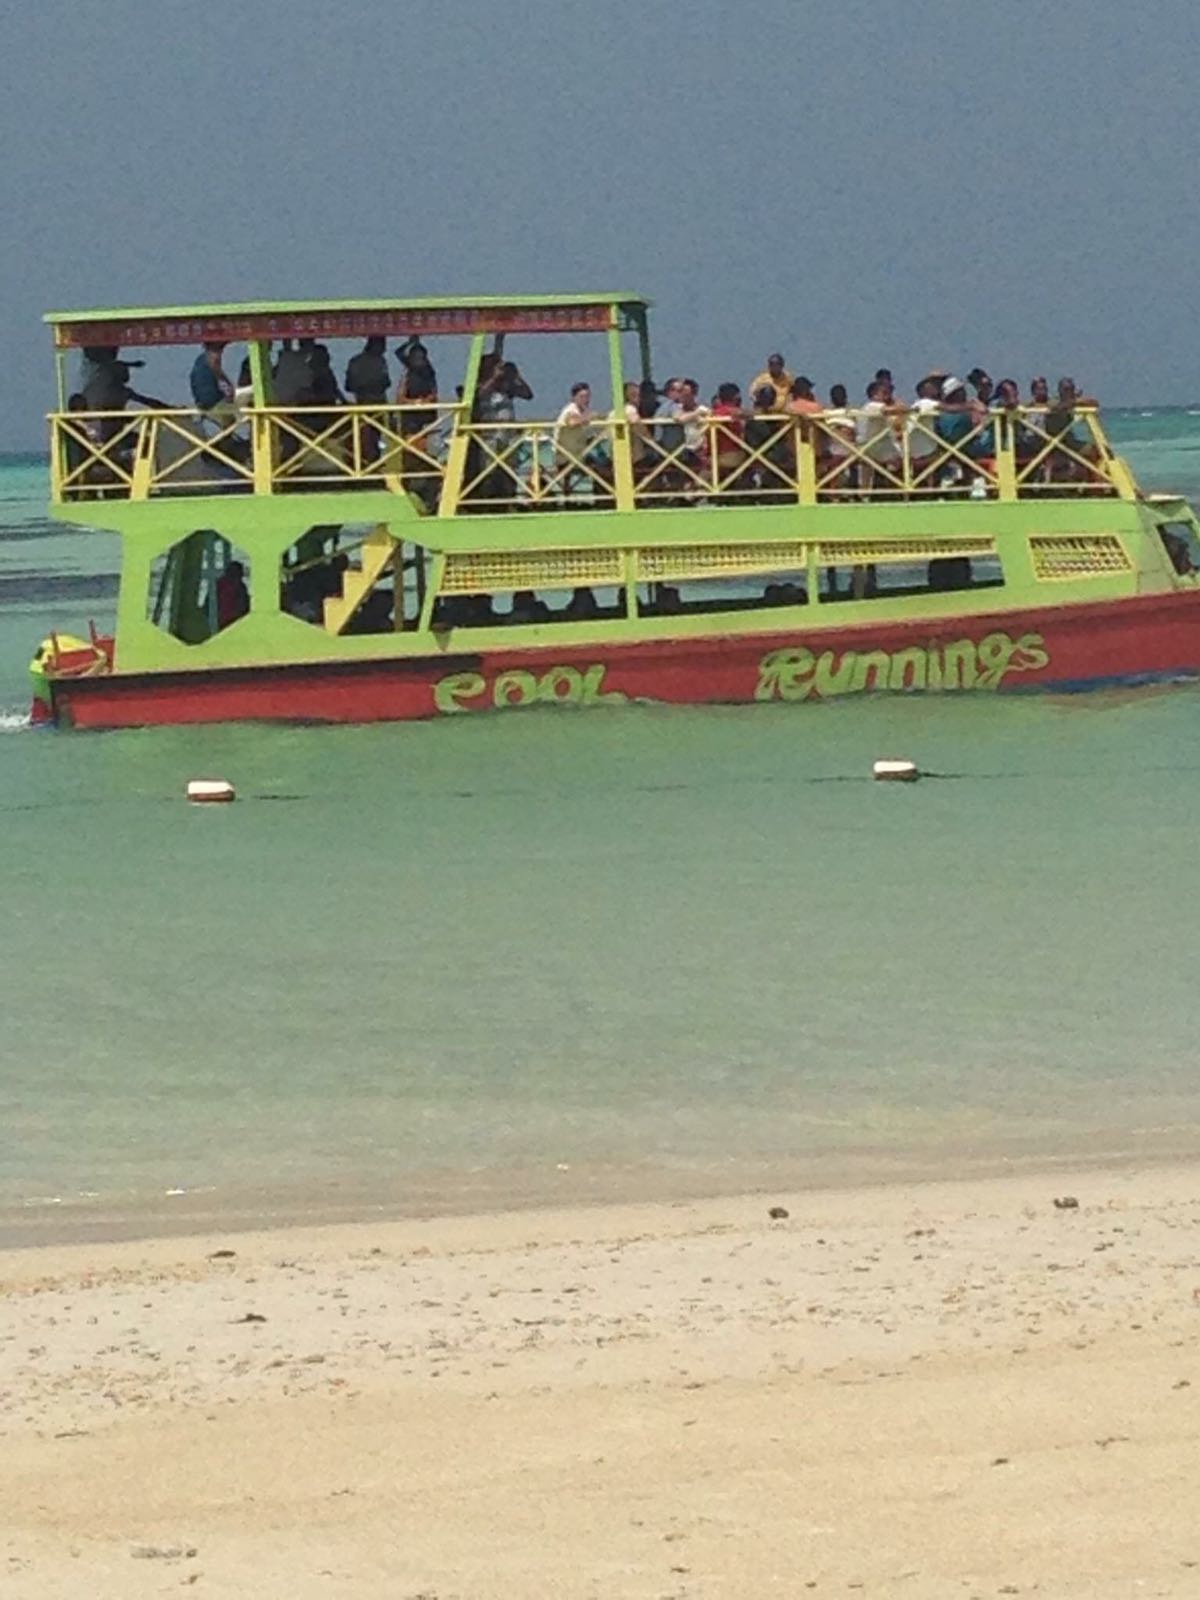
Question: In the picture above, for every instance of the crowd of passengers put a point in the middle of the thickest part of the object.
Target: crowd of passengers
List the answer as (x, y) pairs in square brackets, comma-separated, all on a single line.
[(677, 440)]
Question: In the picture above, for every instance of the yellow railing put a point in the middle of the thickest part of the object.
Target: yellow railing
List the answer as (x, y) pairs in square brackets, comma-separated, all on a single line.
[(537, 464), (453, 464)]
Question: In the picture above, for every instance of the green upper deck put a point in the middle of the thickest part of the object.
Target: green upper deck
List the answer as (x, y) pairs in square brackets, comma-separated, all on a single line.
[(281, 319)]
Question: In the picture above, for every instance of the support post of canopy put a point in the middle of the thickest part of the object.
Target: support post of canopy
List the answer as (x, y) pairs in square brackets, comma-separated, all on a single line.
[(460, 439), (622, 457), (261, 437), (643, 333)]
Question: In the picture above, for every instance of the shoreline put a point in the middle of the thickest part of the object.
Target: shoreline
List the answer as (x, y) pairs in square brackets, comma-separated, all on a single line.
[(179, 1213), (917, 1389)]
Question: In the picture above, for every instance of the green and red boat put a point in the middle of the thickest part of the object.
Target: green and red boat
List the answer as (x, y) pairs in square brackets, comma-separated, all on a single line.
[(353, 563)]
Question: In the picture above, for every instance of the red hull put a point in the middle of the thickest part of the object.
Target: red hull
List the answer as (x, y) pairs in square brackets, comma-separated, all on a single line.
[(1068, 647)]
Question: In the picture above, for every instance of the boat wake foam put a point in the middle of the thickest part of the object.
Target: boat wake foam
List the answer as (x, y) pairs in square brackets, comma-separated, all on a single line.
[(14, 721)]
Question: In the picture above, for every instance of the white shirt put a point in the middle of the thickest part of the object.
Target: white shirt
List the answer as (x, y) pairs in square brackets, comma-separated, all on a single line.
[(875, 432), (921, 442), (572, 430), (840, 426)]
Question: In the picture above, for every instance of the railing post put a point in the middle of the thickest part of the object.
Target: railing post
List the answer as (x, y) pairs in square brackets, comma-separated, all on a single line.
[(144, 453), (262, 449), (806, 466), (622, 458), (1006, 456), (58, 450), (460, 439)]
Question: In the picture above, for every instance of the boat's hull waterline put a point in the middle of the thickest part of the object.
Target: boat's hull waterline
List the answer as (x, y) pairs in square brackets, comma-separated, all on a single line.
[(1067, 648)]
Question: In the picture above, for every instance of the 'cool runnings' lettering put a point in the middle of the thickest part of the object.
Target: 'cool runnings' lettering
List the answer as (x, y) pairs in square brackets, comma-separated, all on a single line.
[(560, 686), (800, 674)]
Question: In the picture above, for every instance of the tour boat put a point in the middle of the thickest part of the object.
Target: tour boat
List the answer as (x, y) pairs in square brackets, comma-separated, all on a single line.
[(284, 560)]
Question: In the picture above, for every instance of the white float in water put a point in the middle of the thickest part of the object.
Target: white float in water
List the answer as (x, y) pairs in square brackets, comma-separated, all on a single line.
[(210, 789), (896, 771)]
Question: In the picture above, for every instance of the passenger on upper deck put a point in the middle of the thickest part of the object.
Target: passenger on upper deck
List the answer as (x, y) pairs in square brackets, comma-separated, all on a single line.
[(323, 385), (574, 430), (292, 376), (838, 435), (922, 439), (956, 420), (1039, 403), (499, 390), (210, 387), (729, 433), (1060, 426), (802, 402), (694, 415), (367, 375), (875, 433), (982, 385), (777, 376), (418, 383), (102, 377)]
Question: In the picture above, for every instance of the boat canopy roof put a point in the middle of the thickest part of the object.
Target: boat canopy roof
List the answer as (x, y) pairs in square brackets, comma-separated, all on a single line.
[(347, 319)]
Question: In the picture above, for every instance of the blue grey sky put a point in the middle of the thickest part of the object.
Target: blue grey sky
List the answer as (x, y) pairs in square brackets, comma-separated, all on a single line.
[(856, 184)]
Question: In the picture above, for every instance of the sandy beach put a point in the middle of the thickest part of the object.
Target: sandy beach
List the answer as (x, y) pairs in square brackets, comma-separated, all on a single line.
[(952, 1389)]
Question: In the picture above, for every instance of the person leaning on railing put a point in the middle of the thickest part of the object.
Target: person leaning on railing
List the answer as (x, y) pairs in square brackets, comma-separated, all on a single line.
[(1065, 463)]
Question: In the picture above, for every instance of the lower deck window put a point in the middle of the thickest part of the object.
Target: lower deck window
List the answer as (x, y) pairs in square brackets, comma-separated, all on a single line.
[(880, 580), (528, 607)]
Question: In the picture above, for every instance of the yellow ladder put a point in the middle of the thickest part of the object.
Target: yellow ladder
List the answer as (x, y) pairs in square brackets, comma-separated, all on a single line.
[(377, 548)]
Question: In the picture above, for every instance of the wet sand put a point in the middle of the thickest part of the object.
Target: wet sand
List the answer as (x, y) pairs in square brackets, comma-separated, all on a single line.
[(910, 1390)]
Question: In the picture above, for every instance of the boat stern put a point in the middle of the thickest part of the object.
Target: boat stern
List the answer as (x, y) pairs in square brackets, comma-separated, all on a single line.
[(62, 655)]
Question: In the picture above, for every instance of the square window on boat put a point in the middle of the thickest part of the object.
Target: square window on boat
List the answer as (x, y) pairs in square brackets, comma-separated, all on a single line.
[(529, 607), (702, 596), (893, 573), (1182, 546)]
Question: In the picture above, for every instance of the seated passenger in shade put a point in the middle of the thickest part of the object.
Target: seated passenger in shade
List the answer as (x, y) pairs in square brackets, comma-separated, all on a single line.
[(233, 597), (211, 389), (582, 606), (527, 608)]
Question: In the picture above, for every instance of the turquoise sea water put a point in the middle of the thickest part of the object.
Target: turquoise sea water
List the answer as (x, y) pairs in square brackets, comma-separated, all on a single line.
[(564, 953)]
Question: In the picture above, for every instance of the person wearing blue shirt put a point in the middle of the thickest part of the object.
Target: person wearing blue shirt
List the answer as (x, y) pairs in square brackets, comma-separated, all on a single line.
[(210, 386)]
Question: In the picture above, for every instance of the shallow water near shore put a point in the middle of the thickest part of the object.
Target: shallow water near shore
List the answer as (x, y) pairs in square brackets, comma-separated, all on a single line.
[(544, 955)]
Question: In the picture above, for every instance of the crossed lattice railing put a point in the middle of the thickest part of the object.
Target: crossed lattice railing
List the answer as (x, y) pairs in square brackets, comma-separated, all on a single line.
[(538, 464), (445, 460)]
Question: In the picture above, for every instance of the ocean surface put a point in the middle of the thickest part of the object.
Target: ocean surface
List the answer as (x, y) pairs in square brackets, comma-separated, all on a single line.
[(564, 954)]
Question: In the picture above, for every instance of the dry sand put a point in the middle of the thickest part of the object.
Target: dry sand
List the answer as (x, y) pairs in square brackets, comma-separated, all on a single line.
[(917, 1391)]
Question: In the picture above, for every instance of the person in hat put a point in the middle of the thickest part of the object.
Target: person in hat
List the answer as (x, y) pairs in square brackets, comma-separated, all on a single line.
[(778, 377)]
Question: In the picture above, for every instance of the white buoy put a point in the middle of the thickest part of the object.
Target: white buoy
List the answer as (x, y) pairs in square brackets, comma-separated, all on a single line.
[(896, 771), (210, 789)]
